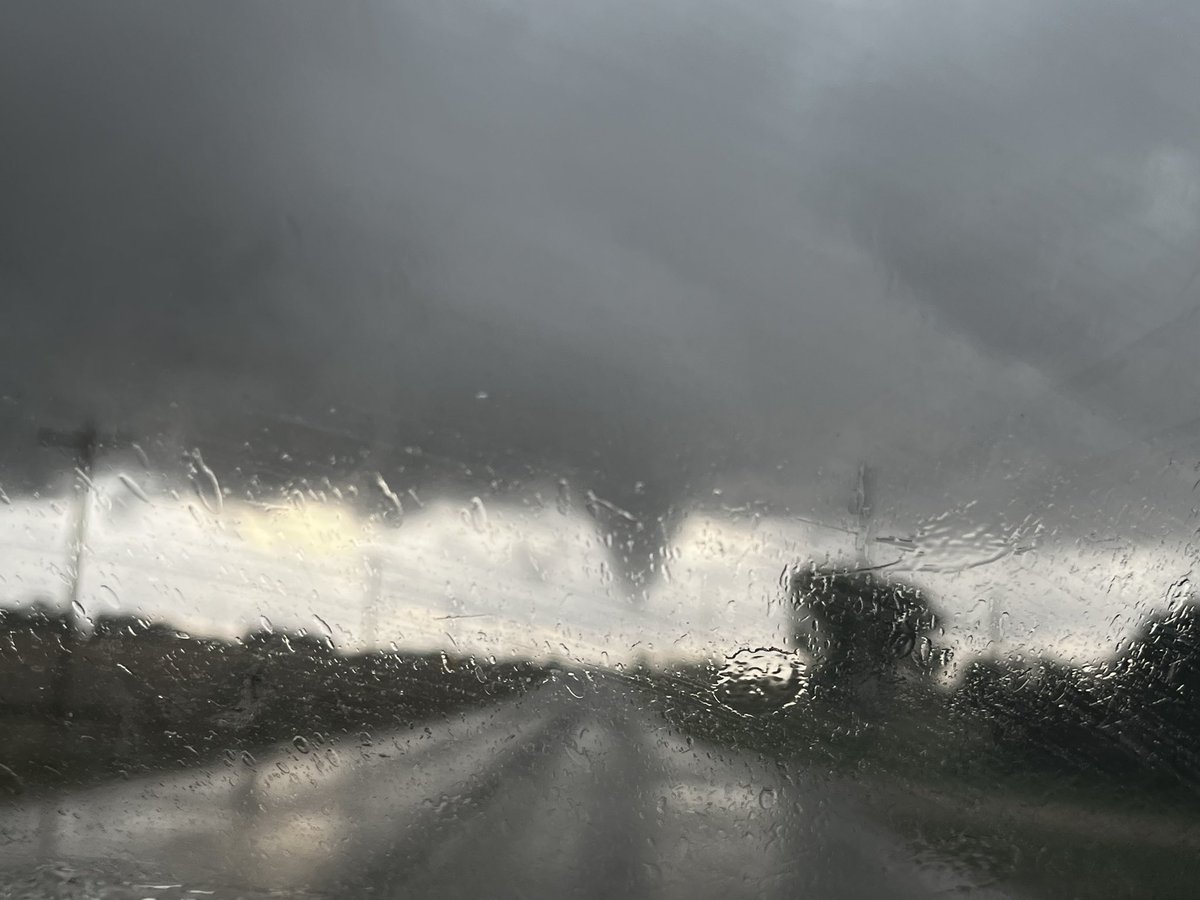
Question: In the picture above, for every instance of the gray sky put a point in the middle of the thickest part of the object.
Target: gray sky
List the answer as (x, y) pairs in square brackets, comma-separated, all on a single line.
[(707, 245)]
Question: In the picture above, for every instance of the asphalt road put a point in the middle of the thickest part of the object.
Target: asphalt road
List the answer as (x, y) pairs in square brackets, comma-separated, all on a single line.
[(544, 796)]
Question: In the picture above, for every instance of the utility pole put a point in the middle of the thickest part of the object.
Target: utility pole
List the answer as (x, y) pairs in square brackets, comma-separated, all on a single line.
[(995, 629), (84, 444), (861, 503)]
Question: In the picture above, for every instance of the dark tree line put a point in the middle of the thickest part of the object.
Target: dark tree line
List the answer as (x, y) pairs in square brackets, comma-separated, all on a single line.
[(1137, 714), (144, 695), (872, 641)]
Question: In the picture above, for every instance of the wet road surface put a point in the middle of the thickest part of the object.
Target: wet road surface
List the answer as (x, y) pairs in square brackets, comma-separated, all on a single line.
[(546, 796)]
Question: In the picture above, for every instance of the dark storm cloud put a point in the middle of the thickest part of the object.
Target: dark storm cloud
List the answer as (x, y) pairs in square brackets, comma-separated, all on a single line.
[(1000, 158), (672, 247)]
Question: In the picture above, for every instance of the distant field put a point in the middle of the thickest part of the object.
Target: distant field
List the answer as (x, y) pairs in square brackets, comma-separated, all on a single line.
[(941, 779), (131, 702)]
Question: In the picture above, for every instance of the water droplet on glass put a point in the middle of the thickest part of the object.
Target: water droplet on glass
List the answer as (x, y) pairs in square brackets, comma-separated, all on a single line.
[(391, 495), (109, 596), (204, 482), (134, 487), (300, 742), (904, 640), (478, 514), (924, 651), (761, 680)]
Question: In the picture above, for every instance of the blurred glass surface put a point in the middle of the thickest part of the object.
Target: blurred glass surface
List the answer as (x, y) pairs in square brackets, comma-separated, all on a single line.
[(545, 449)]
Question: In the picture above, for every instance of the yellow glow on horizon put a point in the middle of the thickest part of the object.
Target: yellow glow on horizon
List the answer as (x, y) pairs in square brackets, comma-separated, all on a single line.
[(313, 530)]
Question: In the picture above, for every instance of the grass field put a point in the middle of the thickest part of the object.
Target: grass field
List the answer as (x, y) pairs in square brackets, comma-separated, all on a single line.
[(146, 699), (938, 777)]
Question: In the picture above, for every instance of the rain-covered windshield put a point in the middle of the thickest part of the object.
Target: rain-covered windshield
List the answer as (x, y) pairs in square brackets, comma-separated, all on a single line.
[(550, 449)]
